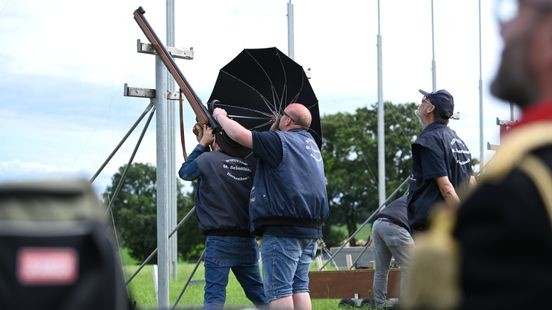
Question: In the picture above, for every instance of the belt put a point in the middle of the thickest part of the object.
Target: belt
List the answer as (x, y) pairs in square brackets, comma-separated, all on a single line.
[(384, 219)]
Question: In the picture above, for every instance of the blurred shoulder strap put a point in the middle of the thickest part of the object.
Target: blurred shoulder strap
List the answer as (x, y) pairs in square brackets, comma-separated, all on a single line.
[(541, 175)]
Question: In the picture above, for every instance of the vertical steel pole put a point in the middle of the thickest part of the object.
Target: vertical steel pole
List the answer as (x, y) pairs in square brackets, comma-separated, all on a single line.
[(481, 134), (381, 120), (291, 39), (162, 184), (171, 158), (433, 63)]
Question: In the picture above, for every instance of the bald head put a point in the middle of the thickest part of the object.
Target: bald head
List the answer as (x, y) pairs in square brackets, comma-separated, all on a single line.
[(300, 115)]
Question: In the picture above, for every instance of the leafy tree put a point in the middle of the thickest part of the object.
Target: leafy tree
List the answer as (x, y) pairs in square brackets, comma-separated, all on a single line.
[(351, 159), (191, 241), (135, 213)]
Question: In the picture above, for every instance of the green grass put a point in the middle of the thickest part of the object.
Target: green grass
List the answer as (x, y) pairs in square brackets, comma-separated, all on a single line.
[(362, 234), (142, 290), (126, 258)]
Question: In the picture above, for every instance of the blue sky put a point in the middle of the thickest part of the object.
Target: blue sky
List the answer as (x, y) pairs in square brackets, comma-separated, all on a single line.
[(63, 67)]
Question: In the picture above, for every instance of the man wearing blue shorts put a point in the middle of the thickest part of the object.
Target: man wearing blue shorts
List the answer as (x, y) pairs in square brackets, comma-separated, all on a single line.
[(288, 201)]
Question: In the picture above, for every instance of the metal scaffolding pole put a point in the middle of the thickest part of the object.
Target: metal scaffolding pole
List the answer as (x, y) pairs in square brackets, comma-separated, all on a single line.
[(291, 38), (481, 125), (162, 184), (381, 120), (171, 155), (433, 63)]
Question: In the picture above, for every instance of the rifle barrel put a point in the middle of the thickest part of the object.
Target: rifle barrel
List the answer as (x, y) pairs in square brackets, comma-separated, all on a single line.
[(202, 115)]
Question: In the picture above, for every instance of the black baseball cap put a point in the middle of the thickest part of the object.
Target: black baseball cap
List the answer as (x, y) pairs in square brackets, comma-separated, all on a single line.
[(442, 100)]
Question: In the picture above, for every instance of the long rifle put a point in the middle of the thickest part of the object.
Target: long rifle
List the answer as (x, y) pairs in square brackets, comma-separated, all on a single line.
[(202, 114)]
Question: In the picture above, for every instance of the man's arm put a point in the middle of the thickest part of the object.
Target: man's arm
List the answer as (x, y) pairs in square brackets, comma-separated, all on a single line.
[(233, 129), (447, 190), (190, 170)]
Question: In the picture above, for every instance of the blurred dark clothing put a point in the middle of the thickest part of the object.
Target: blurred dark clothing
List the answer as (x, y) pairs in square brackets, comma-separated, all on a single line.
[(504, 228)]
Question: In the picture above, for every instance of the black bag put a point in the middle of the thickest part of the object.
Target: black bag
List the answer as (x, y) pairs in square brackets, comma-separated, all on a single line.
[(56, 251)]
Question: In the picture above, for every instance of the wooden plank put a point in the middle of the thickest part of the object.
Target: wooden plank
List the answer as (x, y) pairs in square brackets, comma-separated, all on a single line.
[(346, 283)]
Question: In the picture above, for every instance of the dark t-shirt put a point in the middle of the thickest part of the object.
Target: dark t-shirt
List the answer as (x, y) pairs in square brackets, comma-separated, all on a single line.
[(267, 147), (437, 152), (396, 212)]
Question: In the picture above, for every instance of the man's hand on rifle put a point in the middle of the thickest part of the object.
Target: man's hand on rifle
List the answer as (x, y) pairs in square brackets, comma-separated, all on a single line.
[(198, 131), (207, 138)]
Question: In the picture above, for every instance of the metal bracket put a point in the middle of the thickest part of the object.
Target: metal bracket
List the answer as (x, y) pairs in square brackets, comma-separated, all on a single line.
[(147, 93), (492, 147), (504, 123), (147, 48)]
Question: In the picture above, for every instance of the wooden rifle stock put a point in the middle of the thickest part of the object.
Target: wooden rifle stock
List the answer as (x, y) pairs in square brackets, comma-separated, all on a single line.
[(202, 115)]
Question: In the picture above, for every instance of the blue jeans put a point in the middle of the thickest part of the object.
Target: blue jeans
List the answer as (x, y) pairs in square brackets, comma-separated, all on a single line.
[(241, 254), (286, 263), (389, 240)]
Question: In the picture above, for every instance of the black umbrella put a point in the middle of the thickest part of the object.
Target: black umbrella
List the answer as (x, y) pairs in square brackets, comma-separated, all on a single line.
[(260, 82)]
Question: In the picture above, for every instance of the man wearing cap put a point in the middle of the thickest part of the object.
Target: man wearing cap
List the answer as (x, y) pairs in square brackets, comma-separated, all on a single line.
[(441, 161)]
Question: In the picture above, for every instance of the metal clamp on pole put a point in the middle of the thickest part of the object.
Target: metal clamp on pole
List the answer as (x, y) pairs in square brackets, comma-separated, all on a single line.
[(147, 48), (146, 93)]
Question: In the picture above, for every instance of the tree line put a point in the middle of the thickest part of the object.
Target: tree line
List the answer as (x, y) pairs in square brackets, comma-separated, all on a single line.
[(349, 149)]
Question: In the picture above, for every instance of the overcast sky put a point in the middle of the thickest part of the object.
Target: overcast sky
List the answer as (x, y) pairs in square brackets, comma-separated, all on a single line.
[(63, 66)]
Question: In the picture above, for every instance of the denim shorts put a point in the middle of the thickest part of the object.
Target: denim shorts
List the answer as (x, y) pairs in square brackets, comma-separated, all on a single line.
[(286, 263), (239, 254)]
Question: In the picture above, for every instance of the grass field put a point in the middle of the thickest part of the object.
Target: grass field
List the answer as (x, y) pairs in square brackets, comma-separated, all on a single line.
[(142, 290)]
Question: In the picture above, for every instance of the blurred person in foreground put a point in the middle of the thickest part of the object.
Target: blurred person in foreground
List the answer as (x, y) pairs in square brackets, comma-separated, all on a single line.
[(222, 206), (288, 201), (503, 229)]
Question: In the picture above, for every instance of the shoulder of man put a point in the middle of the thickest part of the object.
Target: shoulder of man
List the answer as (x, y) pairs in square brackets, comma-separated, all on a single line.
[(429, 134), (268, 136)]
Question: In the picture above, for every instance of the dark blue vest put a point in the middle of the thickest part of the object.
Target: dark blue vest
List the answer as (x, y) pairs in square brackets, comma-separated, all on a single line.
[(293, 193), (222, 197)]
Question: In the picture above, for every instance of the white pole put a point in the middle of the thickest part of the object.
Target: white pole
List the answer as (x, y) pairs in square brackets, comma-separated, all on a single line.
[(162, 186), (291, 39), (481, 135), (155, 275), (433, 63), (381, 120), (171, 155)]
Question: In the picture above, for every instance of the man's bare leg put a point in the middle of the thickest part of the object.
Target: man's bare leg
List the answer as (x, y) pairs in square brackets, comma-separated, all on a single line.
[(302, 301), (284, 303)]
